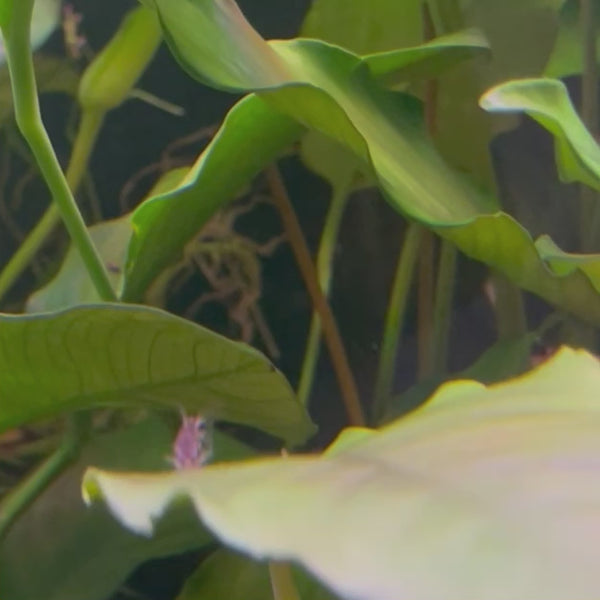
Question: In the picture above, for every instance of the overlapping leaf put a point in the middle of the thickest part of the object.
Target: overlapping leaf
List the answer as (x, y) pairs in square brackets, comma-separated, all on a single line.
[(80, 554), (548, 102), (330, 90), (120, 356), (485, 492)]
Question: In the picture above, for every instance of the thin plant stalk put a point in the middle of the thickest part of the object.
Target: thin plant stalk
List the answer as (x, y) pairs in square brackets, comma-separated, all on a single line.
[(325, 257), (425, 300), (395, 318), (87, 133), (590, 213), (282, 581), (29, 121), (32, 486), (442, 311), (331, 333), (511, 321)]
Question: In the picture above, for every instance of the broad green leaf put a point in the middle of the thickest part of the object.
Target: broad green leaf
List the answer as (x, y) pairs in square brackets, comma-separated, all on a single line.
[(122, 356), (485, 492), (332, 92), (229, 575), (429, 60), (251, 136), (408, 65), (78, 554), (548, 102)]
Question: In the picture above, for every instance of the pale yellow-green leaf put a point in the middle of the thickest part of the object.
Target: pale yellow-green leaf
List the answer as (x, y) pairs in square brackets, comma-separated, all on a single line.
[(487, 493)]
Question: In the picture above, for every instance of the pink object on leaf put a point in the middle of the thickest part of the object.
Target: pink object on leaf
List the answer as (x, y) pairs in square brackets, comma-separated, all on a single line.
[(192, 447)]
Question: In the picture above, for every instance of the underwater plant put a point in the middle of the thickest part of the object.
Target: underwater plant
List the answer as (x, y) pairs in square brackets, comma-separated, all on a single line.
[(484, 489)]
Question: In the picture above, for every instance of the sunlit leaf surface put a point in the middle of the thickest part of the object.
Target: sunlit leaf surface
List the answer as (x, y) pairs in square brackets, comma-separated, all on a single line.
[(485, 492)]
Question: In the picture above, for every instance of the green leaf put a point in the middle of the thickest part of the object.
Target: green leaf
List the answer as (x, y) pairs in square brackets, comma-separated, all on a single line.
[(78, 554), (123, 356), (72, 285), (548, 102), (229, 575), (521, 34), (331, 91), (251, 137), (491, 489), (428, 60), (365, 26)]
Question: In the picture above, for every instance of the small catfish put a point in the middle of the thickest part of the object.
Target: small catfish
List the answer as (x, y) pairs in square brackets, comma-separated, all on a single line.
[(193, 444)]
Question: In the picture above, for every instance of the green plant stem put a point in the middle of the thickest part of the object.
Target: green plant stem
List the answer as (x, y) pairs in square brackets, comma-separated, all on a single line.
[(590, 213), (325, 257), (282, 581), (395, 318), (87, 133), (331, 333), (511, 321), (442, 311), (425, 294), (29, 121), (29, 489)]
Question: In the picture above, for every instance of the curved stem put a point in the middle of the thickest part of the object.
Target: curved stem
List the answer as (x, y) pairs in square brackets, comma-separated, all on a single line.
[(28, 117), (331, 332), (87, 134), (395, 318), (324, 271)]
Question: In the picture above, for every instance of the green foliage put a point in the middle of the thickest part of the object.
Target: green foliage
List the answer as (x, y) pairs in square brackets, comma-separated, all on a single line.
[(470, 487), (332, 91), (547, 101), (488, 488), (55, 533), (123, 356), (251, 582)]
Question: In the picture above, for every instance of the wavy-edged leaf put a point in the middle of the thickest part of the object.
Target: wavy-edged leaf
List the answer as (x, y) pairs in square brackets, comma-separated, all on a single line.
[(428, 60), (251, 136), (334, 93), (548, 102), (485, 492), (78, 554), (122, 355)]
